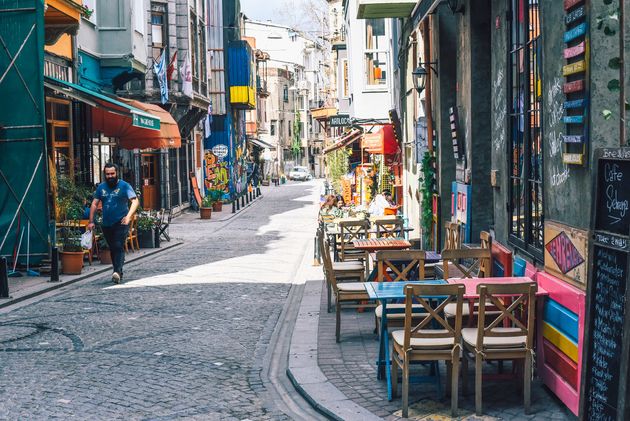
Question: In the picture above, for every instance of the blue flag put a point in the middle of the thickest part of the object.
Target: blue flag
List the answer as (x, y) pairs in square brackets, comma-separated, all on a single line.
[(159, 68)]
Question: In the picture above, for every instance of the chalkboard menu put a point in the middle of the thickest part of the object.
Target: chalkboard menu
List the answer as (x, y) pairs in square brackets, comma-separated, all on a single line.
[(613, 196), (606, 313), (607, 349)]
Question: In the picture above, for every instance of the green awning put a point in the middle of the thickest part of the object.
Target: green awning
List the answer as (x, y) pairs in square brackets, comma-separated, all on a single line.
[(139, 118), (376, 9)]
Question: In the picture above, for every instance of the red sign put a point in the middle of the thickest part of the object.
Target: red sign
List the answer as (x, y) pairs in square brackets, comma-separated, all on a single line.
[(570, 3), (576, 86), (575, 51)]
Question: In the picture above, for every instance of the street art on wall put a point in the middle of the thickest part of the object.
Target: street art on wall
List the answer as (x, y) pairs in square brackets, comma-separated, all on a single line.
[(566, 253), (216, 172)]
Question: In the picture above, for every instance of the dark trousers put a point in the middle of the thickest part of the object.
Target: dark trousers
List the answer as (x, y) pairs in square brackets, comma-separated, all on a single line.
[(116, 235)]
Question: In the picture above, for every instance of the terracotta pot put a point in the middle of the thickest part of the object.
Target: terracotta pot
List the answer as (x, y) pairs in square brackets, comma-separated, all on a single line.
[(205, 213), (217, 206), (105, 256), (71, 262)]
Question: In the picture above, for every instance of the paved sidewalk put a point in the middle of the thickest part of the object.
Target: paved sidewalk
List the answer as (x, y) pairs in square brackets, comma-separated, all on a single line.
[(339, 379)]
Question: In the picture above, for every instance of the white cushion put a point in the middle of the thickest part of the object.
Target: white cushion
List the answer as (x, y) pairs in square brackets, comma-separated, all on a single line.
[(351, 287), (348, 266), (424, 343), (469, 335)]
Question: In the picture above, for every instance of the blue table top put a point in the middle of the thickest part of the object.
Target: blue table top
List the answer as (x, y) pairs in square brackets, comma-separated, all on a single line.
[(394, 290)]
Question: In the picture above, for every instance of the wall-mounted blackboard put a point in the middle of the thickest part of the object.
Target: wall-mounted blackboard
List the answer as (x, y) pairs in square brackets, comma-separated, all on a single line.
[(607, 335), (613, 196)]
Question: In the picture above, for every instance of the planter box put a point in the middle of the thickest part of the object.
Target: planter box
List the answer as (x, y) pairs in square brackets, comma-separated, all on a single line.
[(105, 256), (205, 213), (146, 239), (71, 262), (217, 207)]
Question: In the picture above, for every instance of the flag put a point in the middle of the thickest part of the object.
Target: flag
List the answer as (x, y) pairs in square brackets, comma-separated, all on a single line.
[(208, 121), (171, 67), (159, 68), (186, 72)]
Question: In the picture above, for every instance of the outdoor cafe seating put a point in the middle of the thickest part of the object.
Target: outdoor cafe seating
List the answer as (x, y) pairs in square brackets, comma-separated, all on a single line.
[(429, 320)]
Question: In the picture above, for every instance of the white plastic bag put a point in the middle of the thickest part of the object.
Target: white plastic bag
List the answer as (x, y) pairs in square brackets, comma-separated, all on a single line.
[(86, 240)]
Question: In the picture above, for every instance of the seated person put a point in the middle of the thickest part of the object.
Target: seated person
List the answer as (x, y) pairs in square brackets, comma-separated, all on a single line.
[(380, 202)]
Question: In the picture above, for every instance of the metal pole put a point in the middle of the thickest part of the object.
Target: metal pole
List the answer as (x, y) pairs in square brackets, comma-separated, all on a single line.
[(54, 265), (233, 207), (4, 278), (242, 200)]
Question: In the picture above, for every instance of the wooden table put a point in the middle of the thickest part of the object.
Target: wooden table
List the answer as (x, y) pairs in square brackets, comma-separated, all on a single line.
[(376, 244), (386, 292)]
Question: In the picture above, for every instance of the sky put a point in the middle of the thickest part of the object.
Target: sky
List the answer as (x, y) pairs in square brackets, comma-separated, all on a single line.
[(292, 13)]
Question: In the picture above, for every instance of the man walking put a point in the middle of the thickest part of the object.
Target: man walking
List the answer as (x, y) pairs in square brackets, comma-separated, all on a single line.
[(115, 195)]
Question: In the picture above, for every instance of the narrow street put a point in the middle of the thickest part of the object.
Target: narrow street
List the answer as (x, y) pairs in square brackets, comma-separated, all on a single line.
[(188, 335)]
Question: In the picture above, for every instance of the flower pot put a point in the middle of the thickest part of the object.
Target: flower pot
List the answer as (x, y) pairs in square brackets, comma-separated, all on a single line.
[(105, 256), (205, 213), (71, 262), (217, 206), (146, 239)]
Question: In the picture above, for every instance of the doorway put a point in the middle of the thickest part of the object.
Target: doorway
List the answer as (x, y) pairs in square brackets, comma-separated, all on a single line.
[(150, 181)]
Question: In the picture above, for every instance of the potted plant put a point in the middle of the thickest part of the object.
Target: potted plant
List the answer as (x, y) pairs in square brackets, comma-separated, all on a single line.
[(205, 209), (71, 253), (146, 230), (217, 203)]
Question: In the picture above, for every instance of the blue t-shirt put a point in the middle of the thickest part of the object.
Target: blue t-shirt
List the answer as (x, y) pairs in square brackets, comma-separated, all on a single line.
[(115, 201)]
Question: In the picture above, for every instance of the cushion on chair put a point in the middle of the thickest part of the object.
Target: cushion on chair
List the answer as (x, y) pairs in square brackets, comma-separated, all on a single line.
[(469, 335), (350, 266), (351, 287), (417, 310), (451, 308), (424, 343)]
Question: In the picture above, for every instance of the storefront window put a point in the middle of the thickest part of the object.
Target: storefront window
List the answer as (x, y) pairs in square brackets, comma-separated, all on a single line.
[(376, 59), (525, 148)]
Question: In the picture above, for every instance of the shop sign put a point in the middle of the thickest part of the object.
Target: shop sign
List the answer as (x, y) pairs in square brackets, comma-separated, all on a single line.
[(220, 151), (146, 122), (566, 253), (340, 120)]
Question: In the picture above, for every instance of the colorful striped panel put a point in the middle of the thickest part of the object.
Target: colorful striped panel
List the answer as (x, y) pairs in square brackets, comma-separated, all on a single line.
[(563, 343), (562, 319), (519, 266), (561, 364)]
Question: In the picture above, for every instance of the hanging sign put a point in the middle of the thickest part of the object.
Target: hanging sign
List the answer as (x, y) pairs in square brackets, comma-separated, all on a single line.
[(220, 151), (575, 86), (340, 120)]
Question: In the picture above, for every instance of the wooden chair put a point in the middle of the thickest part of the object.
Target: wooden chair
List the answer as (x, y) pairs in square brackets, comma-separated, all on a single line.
[(350, 231), (453, 267), (453, 238), (347, 294), (354, 270), (418, 342), (493, 342), (389, 227), (485, 240), (398, 265), (132, 238), (165, 221)]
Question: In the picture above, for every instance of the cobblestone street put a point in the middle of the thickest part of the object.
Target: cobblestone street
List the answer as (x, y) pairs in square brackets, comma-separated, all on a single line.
[(184, 337)]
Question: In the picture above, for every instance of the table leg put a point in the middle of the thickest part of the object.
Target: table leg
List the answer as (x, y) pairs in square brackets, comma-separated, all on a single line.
[(471, 314), (386, 362), (380, 363)]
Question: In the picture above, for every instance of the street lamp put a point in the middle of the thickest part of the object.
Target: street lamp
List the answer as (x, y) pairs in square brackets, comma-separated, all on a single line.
[(420, 75)]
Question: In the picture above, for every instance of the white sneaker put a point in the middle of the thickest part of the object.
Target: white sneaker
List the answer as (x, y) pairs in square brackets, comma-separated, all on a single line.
[(115, 278)]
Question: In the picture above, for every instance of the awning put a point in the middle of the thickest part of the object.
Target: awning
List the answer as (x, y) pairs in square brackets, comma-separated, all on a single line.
[(373, 9), (344, 141), (260, 143), (423, 9), (382, 142), (134, 123)]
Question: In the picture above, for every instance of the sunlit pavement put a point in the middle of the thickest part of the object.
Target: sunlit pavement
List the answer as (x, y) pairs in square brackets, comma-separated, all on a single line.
[(183, 337)]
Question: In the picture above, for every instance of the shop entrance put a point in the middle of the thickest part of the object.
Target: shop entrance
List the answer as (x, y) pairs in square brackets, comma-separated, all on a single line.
[(150, 181)]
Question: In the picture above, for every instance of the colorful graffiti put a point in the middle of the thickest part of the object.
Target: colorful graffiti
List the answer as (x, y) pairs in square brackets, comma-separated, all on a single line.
[(216, 173)]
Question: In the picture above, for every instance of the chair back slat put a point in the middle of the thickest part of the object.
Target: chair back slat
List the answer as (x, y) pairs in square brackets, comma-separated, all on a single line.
[(389, 228), (480, 268), (324, 246), (401, 264), (424, 295), (453, 238), (521, 301)]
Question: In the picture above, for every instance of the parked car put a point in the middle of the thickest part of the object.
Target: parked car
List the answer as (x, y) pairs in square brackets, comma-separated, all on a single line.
[(299, 174)]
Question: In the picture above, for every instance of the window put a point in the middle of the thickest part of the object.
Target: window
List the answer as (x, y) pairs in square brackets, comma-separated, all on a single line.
[(138, 16), (525, 146), (59, 134), (157, 33), (285, 93), (376, 60), (345, 90), (273, 127)]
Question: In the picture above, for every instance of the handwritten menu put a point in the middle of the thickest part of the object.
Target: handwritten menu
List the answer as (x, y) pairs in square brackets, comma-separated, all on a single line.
[(613, 197), (606, 330)]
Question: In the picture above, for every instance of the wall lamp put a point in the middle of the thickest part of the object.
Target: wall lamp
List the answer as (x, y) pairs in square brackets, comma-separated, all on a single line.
[(420, 75)]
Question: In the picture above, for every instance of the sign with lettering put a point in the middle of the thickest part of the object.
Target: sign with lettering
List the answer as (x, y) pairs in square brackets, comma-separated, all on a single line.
[(575, 86), (340, 120), (570, 3), (607, 346), (575, 138), (577, 67), (573, 119), (578, 103), (221, 151), (566, 253), (613, 196), (573, 158), (574, 15), (145, 121), (576, 32)]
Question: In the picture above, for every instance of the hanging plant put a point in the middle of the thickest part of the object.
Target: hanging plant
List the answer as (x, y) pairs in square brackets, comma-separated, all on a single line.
[(338, 166), (427, 176), (86, 11)]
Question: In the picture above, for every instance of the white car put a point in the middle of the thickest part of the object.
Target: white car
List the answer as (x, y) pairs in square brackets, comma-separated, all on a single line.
[(299, 174)]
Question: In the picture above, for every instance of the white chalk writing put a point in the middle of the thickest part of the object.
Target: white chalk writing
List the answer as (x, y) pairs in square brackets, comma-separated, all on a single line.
[(500, 111), (559, 176), (555, 100)]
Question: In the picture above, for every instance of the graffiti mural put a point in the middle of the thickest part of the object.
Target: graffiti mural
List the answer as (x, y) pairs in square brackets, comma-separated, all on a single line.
[(216, 173), (566, 253)]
